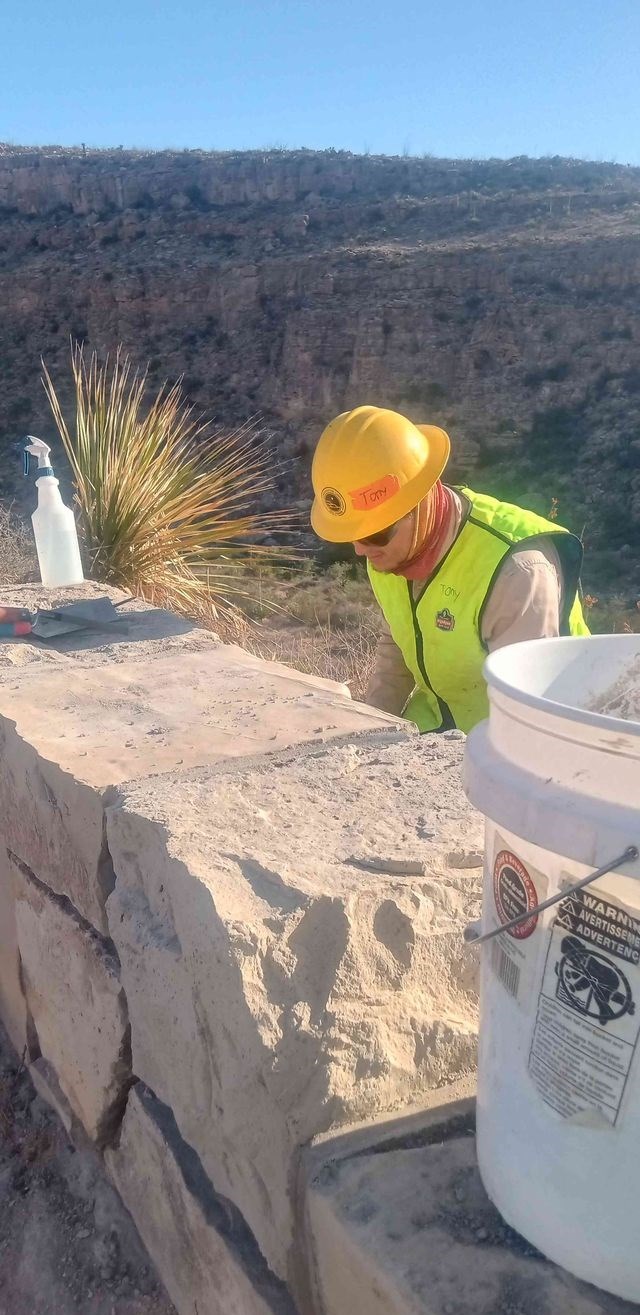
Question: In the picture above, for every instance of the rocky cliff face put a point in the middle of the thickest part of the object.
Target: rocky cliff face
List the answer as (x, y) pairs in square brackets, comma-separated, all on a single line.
[(497, 298)]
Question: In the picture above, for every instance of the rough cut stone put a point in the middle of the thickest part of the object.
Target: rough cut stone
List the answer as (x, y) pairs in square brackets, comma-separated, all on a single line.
[(84, 728), (13, 1007), (74, 996), (45, 1081), (412, 1232), (289, 932), (202, 1249)]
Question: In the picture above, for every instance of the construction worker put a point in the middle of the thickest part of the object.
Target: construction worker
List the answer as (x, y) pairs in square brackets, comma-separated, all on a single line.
[(457, 574)]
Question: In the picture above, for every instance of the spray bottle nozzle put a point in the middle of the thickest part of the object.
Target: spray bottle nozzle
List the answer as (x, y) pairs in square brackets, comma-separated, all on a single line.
[(36, 447)]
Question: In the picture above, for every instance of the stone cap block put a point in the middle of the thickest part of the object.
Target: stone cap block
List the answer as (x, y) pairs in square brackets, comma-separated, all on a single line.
[(290, 936), (71, 731), (145, 631)]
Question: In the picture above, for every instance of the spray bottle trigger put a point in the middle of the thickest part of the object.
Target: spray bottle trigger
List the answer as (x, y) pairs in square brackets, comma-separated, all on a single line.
[(36, 447)]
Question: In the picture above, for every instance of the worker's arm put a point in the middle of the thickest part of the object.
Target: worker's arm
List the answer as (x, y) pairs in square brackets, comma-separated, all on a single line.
[(526, 599), (390, 683)]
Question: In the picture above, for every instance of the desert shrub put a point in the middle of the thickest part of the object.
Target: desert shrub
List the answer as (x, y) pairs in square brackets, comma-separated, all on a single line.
[(169, 508), (18, 561)]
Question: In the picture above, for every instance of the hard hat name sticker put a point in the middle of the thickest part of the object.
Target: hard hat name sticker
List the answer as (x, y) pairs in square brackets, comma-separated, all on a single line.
[(374, 495)]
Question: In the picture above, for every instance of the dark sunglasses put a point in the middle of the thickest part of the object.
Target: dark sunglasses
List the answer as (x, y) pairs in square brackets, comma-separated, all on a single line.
[(383, 537)]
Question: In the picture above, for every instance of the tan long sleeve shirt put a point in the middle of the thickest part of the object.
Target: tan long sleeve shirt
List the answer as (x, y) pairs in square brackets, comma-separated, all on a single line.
[(525, 603)]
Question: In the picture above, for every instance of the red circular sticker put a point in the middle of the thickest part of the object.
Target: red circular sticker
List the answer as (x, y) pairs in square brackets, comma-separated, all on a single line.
[(514, 893)]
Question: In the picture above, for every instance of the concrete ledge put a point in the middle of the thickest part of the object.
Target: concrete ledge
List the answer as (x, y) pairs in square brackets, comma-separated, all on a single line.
[(412, 1232), (446, 1112)]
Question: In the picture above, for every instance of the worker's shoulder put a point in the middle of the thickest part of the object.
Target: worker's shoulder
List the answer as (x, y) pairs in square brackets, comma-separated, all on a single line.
[(536, 555)]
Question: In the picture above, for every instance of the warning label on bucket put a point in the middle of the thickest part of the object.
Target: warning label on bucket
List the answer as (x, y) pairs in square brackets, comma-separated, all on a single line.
[(517, 888), (587, 1021)]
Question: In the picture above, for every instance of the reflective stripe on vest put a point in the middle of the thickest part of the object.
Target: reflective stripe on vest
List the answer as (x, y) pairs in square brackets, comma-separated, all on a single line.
[(438, 630)]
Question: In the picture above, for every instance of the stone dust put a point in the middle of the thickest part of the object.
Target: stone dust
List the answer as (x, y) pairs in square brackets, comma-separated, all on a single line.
[(622, 699)]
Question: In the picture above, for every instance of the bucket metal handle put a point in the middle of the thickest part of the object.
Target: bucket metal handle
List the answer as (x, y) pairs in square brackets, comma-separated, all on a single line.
[(472, 934)]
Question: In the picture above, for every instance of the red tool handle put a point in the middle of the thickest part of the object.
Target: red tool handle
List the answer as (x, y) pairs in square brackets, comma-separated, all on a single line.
[(10, 614), (15, 622), (15, 629)]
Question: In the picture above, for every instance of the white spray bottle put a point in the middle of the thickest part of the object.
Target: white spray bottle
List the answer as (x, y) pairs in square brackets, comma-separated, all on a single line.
[(54, 524)]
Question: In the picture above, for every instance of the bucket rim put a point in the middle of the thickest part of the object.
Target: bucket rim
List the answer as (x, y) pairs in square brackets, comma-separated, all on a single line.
[(554, 707)]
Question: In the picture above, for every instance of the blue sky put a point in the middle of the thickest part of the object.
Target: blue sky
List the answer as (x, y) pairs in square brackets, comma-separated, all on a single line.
[(458, 77)]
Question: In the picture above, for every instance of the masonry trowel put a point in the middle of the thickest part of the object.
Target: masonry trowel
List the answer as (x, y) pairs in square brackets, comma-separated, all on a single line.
[(46, 624)]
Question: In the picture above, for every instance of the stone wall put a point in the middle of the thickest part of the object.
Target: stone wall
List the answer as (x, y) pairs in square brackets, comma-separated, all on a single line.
[(230, 913)]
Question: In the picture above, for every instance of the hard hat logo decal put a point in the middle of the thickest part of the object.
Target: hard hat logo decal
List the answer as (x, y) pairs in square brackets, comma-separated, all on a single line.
[(373, 495), (334, 502)]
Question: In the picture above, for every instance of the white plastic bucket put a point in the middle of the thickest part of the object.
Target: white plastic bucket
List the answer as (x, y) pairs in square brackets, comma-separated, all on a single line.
[(559, 1064)]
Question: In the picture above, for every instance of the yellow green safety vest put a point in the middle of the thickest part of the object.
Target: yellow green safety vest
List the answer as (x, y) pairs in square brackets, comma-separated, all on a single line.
[(439, 629)]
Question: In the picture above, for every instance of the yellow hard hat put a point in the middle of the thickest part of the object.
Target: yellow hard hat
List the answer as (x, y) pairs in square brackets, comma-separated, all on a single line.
[(370, 468)]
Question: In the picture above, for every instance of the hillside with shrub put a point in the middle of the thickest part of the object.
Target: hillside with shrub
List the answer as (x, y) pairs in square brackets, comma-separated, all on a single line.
[(497, 298)]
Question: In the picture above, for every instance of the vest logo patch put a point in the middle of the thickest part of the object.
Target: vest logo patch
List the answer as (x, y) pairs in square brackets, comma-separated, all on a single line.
[(445, 620)]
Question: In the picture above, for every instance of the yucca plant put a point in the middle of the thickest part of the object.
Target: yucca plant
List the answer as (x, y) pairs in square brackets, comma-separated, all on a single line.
[(168, 508)]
